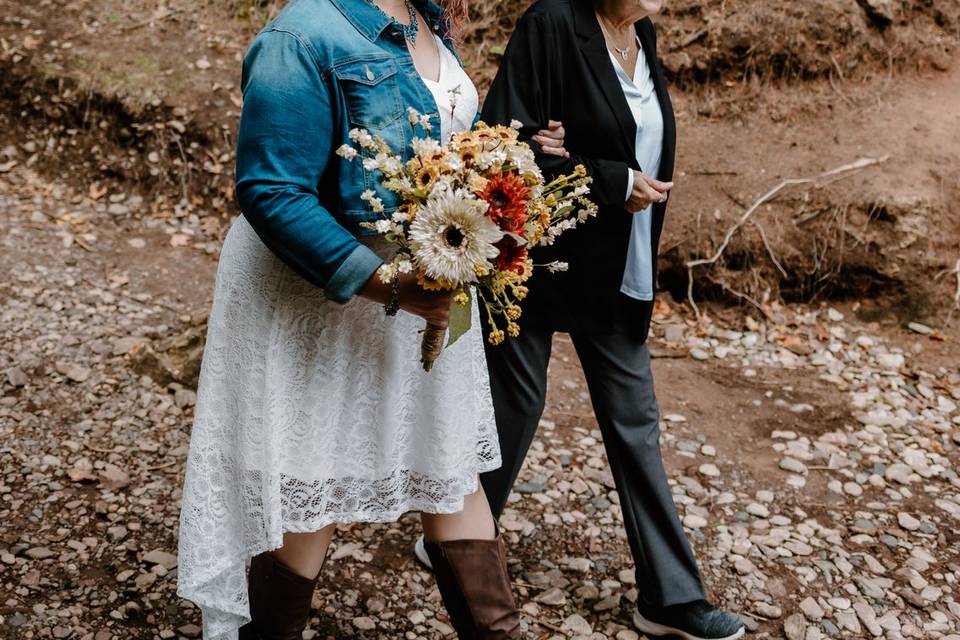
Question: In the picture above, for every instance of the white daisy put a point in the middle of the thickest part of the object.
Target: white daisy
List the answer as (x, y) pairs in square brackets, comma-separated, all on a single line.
[(452, 236)]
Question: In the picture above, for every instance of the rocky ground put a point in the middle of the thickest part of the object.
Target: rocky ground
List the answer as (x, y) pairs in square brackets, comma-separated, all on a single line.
[(812, 458)]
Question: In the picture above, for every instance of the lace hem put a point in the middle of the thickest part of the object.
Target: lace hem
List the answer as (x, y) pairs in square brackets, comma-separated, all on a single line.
[(219, 588)]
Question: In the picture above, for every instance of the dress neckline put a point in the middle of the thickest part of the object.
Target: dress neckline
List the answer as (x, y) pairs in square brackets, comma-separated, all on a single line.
[(441, 51)]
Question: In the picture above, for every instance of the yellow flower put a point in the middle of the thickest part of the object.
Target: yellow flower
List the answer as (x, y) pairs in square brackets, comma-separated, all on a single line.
[(429, 284), (513, 329), (481, 270), (496, 337), (520, 292), (514, 312), (427, 177), (461, 298)]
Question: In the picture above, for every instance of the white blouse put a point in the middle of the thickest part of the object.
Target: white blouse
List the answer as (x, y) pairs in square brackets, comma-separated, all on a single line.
[(642, 98), (455, 94)]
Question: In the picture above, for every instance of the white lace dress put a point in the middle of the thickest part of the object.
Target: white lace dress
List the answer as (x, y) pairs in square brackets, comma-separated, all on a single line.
[(311, 413)]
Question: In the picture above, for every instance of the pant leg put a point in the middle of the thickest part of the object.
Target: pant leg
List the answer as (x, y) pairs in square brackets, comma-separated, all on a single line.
[(518, 382), (618, 373)]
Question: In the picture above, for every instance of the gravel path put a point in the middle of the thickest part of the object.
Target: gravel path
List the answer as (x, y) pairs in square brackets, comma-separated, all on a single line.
[(812, 460)]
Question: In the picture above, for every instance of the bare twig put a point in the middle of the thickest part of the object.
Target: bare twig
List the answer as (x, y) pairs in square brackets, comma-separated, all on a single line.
[(766, 243), (843, 170), (153, 19)]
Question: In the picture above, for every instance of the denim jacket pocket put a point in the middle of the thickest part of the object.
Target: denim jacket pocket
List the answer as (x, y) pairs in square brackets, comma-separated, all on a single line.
[(372, 92)]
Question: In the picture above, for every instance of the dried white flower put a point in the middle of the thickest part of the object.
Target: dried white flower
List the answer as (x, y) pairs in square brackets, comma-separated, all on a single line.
[(452, 236)]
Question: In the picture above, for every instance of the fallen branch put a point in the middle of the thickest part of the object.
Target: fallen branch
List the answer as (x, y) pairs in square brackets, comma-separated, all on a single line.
[(839, 172)]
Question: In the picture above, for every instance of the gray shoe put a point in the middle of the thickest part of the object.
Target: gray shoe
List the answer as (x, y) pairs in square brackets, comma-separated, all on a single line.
[(698, 620), (420, 551)]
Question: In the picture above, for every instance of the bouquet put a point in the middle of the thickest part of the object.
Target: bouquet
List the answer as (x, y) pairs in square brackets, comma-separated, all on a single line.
[(470, 211)]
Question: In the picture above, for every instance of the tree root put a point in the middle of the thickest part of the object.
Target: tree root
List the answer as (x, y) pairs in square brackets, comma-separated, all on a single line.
[(830, 176)]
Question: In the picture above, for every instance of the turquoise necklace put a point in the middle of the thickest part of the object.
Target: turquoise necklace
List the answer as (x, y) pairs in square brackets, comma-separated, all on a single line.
[(410, 31)]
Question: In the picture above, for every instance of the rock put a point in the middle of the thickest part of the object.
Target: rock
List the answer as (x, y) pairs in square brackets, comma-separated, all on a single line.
[(75, 372), (699, 354), (709, 470), (758, 510), (922, 329), (693, 521), (812, 609), (627, 634), (364, 623), (167, 560), (898, 473), (891, 361), (795, 627), (39, 553), (881, 12), (552, 597), (793, 466), (16, 377), (190, 630), (771, 611), (673, 333), (577, 625), (907, 521), (114, 477)]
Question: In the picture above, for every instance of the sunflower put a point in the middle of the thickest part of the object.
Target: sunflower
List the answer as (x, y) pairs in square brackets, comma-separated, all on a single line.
[(452, 237), (507, 195), (426, 177)]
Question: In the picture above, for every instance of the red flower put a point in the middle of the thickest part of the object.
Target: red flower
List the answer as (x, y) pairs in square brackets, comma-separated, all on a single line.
[(507, 195), (512, 256)]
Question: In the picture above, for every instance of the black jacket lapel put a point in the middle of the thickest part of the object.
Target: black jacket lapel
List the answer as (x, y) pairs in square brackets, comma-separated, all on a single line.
[(594, 48)]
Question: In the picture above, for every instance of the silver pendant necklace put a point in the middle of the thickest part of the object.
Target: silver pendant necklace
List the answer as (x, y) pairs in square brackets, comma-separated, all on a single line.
[(624, 53)]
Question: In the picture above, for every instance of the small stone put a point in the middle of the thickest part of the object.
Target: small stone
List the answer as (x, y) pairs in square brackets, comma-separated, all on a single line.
[(364, 623), (190, 630), (552, 597), (907, 521), (709, 470), (16, 377), (898, 473), (694, 521), (699, 354), (577, 625), (203, 64), (812, 609), (793, 466), (767, 610), (795, 627), (167, 560), (39, 553), (137, 243), (922, 329), (758, 510)]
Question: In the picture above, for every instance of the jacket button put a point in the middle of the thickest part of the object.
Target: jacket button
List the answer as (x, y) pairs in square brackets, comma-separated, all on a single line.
[(370, 75)]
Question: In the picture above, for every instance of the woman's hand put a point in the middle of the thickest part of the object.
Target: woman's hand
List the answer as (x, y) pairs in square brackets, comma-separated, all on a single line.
[(647, 191), (551, 139), (432, 306)]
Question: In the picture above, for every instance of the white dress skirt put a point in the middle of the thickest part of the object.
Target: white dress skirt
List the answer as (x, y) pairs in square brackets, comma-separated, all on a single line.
[(311, 413)]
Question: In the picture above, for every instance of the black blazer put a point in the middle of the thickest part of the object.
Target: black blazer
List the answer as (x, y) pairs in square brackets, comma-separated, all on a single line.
[(557, 66)]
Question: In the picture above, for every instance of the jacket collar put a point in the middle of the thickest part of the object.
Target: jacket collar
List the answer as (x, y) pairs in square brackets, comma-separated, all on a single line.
[(371, 21)]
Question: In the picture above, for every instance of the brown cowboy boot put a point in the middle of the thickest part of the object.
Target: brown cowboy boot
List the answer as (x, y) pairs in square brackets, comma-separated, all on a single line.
[(473, 580), (279, 601)]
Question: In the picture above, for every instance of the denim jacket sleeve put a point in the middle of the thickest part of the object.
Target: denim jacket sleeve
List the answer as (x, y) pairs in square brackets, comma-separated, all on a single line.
[(284, 147)]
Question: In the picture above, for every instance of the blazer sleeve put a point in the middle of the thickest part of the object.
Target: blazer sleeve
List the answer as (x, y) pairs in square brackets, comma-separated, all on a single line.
[(524, 89), (285, 144)]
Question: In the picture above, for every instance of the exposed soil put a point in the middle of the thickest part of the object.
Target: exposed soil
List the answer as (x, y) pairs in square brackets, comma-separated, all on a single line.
[(116, 130)]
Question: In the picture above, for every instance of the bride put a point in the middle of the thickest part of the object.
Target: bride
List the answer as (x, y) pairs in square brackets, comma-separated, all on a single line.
[(312, 408)]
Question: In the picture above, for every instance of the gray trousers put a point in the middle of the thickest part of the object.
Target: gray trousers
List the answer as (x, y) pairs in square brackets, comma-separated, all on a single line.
[(618, 373)]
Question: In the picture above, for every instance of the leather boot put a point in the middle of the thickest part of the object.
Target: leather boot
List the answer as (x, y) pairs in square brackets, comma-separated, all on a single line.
[(279, 601), (473, 580)]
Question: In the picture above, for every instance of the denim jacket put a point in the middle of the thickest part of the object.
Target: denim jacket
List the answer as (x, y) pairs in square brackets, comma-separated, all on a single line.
[(320, 68)]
